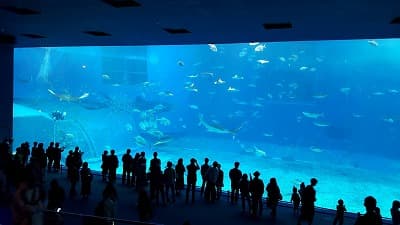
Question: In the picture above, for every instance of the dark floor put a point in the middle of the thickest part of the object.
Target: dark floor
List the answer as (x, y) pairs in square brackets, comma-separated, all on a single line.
[(198, 213)]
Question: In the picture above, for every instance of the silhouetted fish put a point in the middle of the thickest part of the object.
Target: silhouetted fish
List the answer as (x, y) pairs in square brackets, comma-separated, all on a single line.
[(143, 105)]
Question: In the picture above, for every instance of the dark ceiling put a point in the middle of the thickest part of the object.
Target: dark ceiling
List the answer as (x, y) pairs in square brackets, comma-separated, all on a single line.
[(150, 22)]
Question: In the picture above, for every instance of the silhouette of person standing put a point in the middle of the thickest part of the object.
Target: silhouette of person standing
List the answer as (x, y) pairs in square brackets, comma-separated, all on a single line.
[(235, 175), (295, 199), (74, 163), (155, 175), (220, 181), (141, 177), (180, 176), (203, 171), (340, 209), (104, 165), (372, 215), (210, 193), (274, 196), (170, 176), (308, 200), (126, 167), (245, 193), (256, 187), (113, 165), (191, 178), (57, 157), (86, 180), (134, 168), (394, 211), (50, 153)]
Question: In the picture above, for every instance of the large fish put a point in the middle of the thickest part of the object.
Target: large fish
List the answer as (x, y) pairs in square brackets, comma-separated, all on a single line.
[(67, 97), (320, 96), (237, 77), (219, 81), (162, 141), (213, 47), (321, 124), (260, 48), (232, 89), (262, 61), (373, 43), (313, 115), (215, 128), (139, 140), (259, 152)]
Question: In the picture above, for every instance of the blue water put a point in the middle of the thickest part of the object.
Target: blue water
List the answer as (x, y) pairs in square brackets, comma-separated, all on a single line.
[(295, 110)]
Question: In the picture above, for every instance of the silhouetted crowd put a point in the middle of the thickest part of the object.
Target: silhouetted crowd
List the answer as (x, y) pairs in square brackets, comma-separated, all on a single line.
[(24, 174)]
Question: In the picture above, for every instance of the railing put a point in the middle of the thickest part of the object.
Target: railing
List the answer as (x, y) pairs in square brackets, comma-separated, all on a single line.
[(58, 217)]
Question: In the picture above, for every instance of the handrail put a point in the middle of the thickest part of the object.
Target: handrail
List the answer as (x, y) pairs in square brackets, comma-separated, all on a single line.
[(112, 220)]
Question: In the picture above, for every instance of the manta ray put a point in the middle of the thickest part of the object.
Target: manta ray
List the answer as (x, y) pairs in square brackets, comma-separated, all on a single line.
[(67, 97)]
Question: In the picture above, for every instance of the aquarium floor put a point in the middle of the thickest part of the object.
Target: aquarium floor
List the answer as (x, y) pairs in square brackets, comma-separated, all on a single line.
[(340, 174), (198, 213)]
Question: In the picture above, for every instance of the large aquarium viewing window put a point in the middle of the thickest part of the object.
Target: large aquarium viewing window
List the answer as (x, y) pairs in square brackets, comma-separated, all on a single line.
[(291, 110)]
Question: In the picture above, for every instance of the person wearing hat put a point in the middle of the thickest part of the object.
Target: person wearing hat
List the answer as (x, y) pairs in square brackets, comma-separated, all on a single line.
[(256, 187)]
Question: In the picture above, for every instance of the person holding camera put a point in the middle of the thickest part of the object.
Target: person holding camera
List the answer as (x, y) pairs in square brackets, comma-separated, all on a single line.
[(191, 178)]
